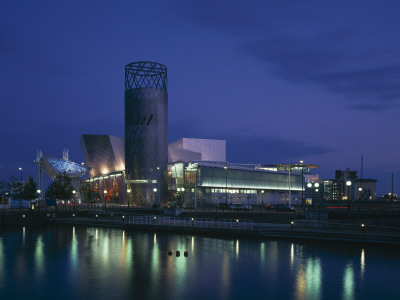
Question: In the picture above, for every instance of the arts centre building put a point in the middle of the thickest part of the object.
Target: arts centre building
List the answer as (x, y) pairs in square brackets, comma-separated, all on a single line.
[(198, 173), (141, 169)]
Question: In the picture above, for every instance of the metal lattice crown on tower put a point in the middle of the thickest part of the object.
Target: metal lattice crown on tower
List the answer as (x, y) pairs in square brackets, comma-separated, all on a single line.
[(145, 74)]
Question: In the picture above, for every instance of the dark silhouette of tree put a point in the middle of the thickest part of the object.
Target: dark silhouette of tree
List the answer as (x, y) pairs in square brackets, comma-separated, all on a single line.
[(3, 191), (29, 191), (61, 188), (14, 187)]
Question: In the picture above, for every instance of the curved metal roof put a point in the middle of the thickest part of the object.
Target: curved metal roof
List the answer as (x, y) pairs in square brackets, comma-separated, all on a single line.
[(54, 166)]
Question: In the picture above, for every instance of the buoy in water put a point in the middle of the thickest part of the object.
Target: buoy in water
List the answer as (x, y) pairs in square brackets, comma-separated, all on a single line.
[(178, 253), (185, 254), (169, 252)]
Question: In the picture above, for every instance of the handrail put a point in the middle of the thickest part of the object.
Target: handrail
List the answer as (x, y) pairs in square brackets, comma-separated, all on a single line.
[(192, 222)]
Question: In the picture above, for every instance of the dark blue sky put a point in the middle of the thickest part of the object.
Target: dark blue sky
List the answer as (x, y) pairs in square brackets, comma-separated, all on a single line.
[(279, 80)]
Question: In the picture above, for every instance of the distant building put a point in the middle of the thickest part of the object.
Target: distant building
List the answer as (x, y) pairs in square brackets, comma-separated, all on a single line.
[(346, 186)]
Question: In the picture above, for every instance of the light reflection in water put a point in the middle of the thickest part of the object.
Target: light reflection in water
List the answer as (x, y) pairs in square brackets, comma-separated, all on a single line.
[(362, 263), (313, 278), (38, 257), (309, 279), (301, 283), (1, 263), (74, 250), (23, 235), (262, 253), (348, 282), (237, 249), (155, 266), (226, 276), (135, 265), (291, 256)]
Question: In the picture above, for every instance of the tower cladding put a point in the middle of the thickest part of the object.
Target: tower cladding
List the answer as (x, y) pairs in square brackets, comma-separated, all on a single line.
[(146, 132)]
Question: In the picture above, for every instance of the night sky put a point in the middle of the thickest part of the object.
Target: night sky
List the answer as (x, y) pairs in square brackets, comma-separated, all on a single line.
[(281, 81)]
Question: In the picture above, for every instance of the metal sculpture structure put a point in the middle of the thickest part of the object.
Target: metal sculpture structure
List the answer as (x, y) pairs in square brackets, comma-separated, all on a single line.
[(146, 132)]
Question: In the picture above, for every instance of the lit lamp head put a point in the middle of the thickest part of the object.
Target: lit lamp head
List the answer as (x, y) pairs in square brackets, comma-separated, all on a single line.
[(73, 192), (128, 190), (348, 183), (309, 184), (154, 190), (182, 189), (360, 189), (316, 184)]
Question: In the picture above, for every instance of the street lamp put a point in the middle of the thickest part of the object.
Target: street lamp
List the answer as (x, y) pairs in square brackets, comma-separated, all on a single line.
[(359, 192), (155, 193), (348, 184), (105, 201), (262, 198), (226, 183), (128, 196), (302, 186), (20, 189), (74, 192)]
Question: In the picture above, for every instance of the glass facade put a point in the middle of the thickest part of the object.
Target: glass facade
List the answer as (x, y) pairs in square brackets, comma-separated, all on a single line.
[(214, 182)]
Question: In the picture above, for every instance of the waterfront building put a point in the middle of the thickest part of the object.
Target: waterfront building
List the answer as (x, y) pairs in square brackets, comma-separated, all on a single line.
[(206, 182), (143, 170), (54, 166), (146, 131)]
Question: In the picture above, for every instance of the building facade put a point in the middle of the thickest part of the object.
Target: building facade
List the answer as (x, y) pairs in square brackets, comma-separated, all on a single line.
[(146, 131), (205, 182)]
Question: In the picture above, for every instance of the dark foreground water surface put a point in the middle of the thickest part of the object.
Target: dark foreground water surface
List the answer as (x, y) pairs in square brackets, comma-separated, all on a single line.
[(102, 263)]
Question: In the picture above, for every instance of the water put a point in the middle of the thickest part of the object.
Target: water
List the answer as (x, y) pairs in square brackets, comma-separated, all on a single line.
[(103, 263)]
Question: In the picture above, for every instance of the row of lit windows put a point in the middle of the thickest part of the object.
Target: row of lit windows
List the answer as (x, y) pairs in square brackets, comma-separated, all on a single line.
[(234, 191)]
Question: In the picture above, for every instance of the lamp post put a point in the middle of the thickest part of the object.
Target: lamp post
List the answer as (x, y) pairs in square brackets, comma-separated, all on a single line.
[(309, 185), (226, 183), (105, 196), (20, 189), (359, 193), (155, 194), (262, 198), (348, 184), (73, 197), (302, 185), (182, 195), (128, 196), (316, 185)]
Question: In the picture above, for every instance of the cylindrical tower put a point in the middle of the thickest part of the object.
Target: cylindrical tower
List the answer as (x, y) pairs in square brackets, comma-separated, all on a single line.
[(146, 132)]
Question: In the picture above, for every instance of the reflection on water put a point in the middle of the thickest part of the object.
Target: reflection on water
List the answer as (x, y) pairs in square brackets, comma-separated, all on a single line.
[(362, 263), (101, 263), (2, 263), (348, 282)]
